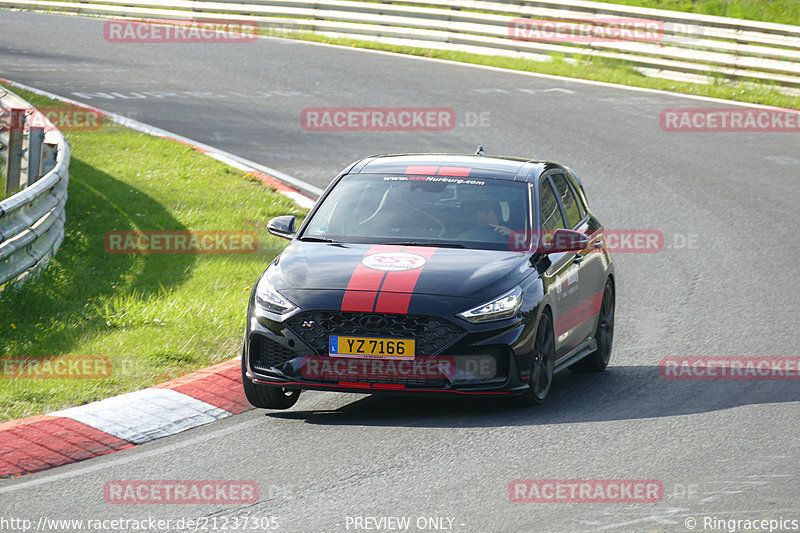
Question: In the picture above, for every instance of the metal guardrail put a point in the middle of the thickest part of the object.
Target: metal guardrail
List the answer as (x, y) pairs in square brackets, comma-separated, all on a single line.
[(691, 47), (32, 220)]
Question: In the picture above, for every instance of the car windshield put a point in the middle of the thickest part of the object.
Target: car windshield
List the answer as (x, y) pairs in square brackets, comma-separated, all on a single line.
[(425, 210)]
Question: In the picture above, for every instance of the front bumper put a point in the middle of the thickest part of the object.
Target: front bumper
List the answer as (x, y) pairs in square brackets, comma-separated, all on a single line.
[(463, 359)]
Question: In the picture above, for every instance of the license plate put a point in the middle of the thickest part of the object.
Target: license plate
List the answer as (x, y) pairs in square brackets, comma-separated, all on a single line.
[(372, 347)]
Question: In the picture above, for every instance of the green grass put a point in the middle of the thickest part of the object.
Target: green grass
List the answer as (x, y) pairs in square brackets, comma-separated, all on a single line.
[(588, 68), (155, 316), (779, 11)]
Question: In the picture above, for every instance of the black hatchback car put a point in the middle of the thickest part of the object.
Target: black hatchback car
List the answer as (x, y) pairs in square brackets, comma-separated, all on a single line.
[(433, 274)]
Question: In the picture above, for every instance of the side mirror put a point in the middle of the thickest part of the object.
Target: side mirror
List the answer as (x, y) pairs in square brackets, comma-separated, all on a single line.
[(564, 240), (283, 227)]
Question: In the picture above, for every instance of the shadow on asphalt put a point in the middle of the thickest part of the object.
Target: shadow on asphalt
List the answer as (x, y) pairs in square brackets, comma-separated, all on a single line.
[(619, 393)]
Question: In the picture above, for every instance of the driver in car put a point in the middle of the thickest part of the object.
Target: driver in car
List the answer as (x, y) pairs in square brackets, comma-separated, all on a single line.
[(488, 227)]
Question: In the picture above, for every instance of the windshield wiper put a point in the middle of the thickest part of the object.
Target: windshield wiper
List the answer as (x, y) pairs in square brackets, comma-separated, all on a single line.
[(432, 244), (316, 239)]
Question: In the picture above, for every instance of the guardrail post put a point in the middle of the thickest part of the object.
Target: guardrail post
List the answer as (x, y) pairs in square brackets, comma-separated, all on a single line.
[(35, 141), (16, 126), (49, 155)]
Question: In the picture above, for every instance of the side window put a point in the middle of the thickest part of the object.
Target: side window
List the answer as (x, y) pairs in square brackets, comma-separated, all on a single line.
[(575, 189), (548, 204), (574, 215)]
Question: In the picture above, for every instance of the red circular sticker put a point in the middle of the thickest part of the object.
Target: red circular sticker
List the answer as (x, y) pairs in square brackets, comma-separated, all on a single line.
[(393, 261)]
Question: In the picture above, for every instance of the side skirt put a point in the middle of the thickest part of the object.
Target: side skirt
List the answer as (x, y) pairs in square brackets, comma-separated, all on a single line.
[(575, 355)]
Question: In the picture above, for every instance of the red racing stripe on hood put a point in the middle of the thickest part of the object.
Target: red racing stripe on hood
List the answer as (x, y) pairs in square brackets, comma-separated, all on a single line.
[(362, 289), (398, 287)]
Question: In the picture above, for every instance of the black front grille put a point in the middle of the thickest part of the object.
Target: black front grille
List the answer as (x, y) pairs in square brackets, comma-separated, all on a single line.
[(429, 383), (432, 335), (266, 353)]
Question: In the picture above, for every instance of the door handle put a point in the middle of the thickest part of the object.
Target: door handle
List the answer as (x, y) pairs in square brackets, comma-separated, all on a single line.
[(598, 243), (577, 259)]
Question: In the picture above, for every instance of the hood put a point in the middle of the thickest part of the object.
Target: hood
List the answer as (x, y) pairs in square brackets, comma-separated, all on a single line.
[(453, 272)]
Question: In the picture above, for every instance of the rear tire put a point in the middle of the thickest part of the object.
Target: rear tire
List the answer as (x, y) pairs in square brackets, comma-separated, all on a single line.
[(542, 364), (597, 361), (267, 396)]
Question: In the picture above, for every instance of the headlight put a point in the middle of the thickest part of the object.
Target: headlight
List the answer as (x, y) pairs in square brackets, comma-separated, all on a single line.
[(271, 300), (504, 306)]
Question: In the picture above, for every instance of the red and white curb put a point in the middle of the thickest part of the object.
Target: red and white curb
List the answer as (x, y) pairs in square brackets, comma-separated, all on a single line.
[(282, 183), (62, 437)]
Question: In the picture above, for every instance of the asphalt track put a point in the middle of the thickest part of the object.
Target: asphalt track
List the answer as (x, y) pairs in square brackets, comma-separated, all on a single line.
[(723, 449)]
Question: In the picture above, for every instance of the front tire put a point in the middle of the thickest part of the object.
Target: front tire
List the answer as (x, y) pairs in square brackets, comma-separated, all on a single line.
[(542, 365), (597, 361), (267, 396)]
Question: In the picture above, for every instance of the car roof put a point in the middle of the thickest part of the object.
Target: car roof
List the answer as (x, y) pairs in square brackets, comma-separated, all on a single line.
[(461, 165)]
